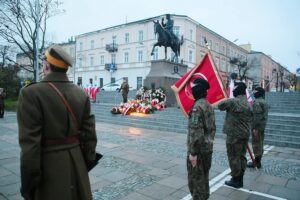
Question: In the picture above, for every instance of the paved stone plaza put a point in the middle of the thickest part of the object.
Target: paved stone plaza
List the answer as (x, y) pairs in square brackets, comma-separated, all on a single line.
[(143, 164)]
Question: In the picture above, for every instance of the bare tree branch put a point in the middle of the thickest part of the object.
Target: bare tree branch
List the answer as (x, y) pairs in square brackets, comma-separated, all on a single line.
[(19, 22)]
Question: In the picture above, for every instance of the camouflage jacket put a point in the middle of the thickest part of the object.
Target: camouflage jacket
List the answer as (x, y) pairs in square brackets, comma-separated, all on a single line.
[(260, 114), (238, 120), (202, 128)]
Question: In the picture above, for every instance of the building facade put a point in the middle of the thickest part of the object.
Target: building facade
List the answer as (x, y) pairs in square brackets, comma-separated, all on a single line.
[(267, 73), (124, 51)]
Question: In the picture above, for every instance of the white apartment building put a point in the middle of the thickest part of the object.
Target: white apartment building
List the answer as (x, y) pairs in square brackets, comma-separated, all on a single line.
[(110, 54)]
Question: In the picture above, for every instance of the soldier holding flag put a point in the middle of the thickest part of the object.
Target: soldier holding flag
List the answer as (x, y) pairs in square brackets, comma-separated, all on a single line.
[(260, 117)]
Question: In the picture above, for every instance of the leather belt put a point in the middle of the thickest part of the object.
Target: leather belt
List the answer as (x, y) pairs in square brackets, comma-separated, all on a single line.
[(60, 141)]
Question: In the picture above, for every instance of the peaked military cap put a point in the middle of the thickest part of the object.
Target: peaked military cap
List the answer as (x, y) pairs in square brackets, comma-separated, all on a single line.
[(58, 57)]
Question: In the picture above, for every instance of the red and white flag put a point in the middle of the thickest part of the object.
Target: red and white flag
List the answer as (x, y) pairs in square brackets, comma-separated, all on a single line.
[(207, 70)]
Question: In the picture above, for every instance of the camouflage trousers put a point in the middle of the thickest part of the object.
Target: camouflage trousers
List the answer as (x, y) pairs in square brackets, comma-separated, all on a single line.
[(198, 177), (236, 153), (258, 143)]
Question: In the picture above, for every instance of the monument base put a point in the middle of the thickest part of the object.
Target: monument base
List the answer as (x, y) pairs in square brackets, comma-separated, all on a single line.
[(164, 74)]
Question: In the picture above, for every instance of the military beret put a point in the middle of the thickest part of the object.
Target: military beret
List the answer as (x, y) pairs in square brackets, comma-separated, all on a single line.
[(201, 81), (58, 57), (260, 89)]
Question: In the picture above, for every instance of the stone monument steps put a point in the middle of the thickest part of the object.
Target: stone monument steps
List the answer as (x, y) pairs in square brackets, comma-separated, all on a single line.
[(157, 119), (273, 126), (176, 116)]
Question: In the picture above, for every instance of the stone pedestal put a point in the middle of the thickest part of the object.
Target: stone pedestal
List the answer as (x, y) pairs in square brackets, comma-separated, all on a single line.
[(164, 74)]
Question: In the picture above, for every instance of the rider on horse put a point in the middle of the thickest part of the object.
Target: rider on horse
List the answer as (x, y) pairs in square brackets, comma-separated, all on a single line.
[(168, 27)]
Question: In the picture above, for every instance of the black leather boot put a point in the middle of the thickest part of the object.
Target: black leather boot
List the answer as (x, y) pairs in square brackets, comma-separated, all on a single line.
[(235, 182), (258, 163)]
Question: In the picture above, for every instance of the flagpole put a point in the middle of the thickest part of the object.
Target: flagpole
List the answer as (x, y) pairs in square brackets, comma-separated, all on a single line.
[(210, 55)]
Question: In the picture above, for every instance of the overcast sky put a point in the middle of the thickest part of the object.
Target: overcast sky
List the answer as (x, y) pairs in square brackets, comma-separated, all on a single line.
[(270, 26)]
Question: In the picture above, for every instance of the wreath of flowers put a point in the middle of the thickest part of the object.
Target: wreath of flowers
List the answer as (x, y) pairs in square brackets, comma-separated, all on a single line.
[(147, 101)]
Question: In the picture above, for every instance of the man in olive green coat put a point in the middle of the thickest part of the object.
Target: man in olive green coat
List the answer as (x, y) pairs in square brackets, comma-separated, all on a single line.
[(260, 117), (200, 138), (237, 127), (52, 163)]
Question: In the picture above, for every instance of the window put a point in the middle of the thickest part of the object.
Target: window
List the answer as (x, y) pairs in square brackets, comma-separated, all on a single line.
[(140, 56), (126, 38), (190, 56), (222, 64), (223, 50), (217, 62), (202, 54), (139, 82), (91, 81), (100, 82), (79, 81), (202, 41), (114, 39), (113, 58), (102, 60), (176, 30), (141, 36), (210, 44), (92, 61), (126, 54), (191, 34), (155, 53), (92, 44), (112, 80), (217, 47), (80, 46)]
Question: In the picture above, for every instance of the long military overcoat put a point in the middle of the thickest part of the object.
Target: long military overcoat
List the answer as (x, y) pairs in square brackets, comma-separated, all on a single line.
[(56, 172)]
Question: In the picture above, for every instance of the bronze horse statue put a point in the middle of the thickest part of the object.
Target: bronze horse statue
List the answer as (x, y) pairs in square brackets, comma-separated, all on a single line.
[(165, 40)]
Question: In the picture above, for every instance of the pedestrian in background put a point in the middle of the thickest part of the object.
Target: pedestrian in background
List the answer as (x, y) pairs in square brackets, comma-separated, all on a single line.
[(237, 127), (200, 138), (53, 165), (260, 117), (2, 104), (125, 89)]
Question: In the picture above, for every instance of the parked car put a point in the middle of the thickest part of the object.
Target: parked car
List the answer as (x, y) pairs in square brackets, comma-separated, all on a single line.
[(111, 87)]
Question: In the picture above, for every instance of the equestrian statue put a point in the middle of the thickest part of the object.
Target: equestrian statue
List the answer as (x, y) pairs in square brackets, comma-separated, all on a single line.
[(167, 38)]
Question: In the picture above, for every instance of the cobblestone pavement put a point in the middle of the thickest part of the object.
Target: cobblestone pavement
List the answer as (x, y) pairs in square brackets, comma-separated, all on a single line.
[(141, 164)]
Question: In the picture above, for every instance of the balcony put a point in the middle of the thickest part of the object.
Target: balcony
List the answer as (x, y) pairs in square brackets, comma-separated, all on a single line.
[(111, 47), (110, 67)]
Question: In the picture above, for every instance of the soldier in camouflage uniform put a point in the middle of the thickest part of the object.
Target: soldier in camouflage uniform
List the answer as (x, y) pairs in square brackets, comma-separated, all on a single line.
[(53, 166), (237, 127), (200, 139), (260, 117)]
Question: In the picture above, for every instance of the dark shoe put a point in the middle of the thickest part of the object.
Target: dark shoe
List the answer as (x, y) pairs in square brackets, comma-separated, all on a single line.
[(234, 182), (257, 162), (250, 165)]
